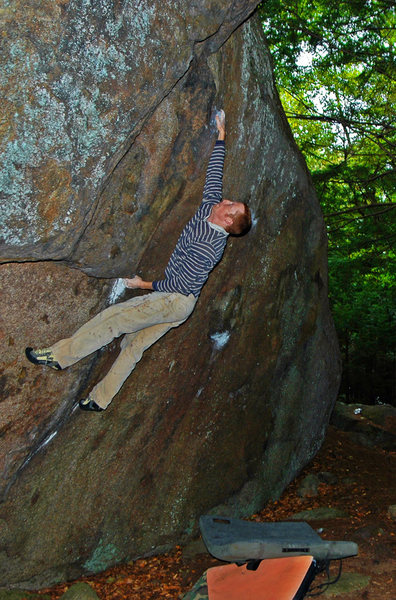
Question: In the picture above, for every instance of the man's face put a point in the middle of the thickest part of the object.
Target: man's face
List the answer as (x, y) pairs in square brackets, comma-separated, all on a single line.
[(227, 208)]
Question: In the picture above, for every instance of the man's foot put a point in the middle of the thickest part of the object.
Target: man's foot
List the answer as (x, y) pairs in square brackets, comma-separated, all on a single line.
[(42, 356), (89, 404)]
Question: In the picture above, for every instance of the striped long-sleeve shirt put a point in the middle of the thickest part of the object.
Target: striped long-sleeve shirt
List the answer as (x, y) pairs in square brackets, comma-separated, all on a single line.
[(201, 244)]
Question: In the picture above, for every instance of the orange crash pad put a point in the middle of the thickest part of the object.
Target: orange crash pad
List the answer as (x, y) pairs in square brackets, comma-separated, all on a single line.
[(274, 579)]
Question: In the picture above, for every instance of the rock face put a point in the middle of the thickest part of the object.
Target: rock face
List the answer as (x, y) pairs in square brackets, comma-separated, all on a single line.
[(104, 155), (82, 79)]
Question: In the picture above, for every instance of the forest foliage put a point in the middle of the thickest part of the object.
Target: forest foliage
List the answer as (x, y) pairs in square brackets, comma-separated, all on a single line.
[(335, 70)]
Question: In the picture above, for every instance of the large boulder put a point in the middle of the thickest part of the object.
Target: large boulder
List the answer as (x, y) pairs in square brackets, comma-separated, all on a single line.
[(108, 140)]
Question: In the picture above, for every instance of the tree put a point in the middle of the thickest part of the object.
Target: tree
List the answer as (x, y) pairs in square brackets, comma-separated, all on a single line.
[(334, 68)]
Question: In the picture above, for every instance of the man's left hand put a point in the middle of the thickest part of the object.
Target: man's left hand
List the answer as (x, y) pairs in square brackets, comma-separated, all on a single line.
[(137, 283), (133, 282)]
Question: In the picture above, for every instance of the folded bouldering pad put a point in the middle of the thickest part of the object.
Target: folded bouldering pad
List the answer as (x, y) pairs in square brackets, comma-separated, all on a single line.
[(236, 540)]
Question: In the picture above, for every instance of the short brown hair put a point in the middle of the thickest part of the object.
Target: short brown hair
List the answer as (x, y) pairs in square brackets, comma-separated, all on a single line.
[(241, 222)]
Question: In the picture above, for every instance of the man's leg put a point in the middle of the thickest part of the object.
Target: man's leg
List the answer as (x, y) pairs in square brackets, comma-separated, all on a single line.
[(132, 347), (130, 316)]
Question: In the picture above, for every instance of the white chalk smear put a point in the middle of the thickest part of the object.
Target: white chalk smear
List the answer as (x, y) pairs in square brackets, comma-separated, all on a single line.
[(116, 291), (254, 218), (220, 339)]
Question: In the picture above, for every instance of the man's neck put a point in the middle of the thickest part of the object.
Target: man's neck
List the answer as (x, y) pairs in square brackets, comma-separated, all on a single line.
[(216, 226)]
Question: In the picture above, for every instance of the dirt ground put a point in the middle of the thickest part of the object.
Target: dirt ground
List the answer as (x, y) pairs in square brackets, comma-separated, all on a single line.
[(364, 487)]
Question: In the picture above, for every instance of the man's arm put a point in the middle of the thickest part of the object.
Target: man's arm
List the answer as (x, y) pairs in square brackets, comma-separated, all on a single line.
[(137, 283), (213, 189)]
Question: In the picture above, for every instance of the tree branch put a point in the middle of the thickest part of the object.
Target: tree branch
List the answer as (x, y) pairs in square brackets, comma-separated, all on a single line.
[(362, 206), (380, 212)]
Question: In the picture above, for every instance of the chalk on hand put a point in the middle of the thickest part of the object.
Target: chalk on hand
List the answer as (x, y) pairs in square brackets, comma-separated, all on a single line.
[(125, 280), (217, 113), (221, 114)]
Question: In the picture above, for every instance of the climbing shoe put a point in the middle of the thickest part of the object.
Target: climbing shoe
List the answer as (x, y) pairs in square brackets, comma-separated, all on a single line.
[(89, 404), (42, 356)]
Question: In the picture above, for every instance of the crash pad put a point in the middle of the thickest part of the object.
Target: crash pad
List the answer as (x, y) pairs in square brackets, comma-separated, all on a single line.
[(274, 579)]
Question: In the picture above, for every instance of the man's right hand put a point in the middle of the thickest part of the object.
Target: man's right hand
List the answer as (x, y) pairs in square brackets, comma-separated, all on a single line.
[(220, 123)]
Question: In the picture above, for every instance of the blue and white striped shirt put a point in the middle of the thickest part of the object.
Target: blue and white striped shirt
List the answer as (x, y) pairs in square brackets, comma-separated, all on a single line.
[(200, 245)]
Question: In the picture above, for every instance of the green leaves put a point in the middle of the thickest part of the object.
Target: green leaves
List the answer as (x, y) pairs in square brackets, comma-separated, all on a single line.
[(334, 67)]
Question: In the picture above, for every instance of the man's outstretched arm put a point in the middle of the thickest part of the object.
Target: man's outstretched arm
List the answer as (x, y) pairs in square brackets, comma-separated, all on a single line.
[(213, 189)]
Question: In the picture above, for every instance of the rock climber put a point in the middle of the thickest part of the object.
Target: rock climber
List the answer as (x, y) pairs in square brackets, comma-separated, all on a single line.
[(144, 319)]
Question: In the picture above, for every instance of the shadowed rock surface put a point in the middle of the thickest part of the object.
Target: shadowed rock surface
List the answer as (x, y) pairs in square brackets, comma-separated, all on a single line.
[(224, 410)]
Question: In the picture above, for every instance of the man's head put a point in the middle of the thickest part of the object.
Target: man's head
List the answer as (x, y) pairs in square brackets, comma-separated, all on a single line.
[(234, 217)]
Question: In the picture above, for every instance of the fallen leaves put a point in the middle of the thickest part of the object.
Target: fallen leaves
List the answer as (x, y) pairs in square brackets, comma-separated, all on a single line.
[(164, 577)]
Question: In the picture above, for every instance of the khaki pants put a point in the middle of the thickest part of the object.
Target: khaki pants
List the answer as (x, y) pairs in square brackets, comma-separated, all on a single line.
[(143, 319)]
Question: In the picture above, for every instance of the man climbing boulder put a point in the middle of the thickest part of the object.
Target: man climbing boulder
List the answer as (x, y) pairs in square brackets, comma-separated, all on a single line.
[(144, 319)]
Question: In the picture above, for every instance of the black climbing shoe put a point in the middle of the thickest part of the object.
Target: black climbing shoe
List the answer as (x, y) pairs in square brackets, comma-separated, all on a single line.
[(42, 356), (89, 404)]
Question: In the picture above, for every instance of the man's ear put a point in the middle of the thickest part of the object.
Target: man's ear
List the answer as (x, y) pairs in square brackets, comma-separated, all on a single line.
[(228, 220)]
